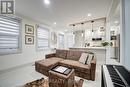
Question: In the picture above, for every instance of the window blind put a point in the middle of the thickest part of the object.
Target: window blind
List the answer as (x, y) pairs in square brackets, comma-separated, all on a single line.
[(42, 38), (9, 35)]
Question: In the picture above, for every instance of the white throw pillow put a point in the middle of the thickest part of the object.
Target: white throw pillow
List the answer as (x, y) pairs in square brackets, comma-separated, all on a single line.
[(83, 58), (90, 57)]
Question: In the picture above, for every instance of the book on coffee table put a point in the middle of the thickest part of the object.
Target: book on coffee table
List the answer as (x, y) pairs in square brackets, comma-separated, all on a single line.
[(62, 70)]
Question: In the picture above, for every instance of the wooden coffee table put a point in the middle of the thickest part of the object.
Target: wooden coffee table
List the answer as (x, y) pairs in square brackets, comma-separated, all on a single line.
[(61, 76)]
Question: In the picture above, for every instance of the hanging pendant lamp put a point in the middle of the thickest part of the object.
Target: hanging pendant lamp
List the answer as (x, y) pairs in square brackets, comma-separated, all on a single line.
[(92, 25)]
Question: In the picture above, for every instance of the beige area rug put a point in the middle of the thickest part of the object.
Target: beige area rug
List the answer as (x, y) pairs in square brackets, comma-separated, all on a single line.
[(38, 83)]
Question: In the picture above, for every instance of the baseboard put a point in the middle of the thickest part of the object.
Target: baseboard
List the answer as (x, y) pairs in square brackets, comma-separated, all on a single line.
[(17, 67)]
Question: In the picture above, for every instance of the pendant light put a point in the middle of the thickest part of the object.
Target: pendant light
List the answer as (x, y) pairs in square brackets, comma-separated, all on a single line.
[(82, 29), (92, 25)]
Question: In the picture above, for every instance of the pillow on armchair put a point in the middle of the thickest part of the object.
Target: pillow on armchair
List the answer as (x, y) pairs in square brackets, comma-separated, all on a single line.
[(83, 58)]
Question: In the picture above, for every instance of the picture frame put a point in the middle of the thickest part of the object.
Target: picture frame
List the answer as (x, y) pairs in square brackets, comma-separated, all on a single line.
[(29, 39), (29, 29)]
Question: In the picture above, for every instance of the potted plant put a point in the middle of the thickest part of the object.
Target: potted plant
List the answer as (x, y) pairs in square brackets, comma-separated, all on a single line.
[(105, 43)]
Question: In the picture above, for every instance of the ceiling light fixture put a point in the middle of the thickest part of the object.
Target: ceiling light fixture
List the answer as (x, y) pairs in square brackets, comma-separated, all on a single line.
[(47, 2), (73, 24), (66, 30), (54, 23), (82, 23), (116, 22), (89, 15), (92, 25), (82, 34)]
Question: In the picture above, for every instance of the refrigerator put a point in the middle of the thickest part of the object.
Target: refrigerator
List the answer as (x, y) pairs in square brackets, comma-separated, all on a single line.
[(117, 48)]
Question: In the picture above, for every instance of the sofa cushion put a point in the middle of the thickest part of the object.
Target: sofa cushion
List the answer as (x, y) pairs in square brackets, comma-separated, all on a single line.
[(49, 62), (76, 65), (74, 55), (43, 66), (61, 53), (83, 58)]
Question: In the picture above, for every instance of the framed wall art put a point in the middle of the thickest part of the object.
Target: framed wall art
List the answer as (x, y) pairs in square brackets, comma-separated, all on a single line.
[(29, 39), (29, 29)]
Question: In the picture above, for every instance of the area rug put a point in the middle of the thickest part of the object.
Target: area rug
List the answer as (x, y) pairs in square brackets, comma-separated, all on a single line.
[(38, 83)]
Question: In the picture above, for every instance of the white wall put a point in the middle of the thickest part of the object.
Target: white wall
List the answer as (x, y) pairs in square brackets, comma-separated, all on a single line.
[(79, 38), (58, 44), (29, 53), (68, 35), (126, 33), (110, 20)]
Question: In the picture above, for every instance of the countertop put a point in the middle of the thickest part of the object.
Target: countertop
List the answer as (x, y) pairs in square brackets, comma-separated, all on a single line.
[(100, 48)]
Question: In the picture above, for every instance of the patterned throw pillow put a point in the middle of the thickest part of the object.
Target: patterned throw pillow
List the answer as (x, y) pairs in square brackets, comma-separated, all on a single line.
[(83, 58), (90, 57)]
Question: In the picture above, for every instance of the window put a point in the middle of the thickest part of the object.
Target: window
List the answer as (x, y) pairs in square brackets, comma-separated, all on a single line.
[(9, 35), (61, 41), (70, 40), (42, 38)]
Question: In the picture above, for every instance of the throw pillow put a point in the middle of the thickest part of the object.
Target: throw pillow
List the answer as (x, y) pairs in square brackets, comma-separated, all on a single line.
[(83, 58), (90, 57)]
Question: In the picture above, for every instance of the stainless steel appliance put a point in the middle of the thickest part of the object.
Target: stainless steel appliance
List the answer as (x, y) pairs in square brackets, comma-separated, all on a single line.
[(117, 48)]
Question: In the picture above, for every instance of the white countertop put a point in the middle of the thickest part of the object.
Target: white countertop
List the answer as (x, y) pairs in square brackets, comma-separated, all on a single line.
[(100, 48)]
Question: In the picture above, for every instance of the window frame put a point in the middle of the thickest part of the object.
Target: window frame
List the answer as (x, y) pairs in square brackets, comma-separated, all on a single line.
[(46, 48), (19, 50)]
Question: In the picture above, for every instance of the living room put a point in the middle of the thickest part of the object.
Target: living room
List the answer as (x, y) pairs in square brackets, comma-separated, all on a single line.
[(41, 35)]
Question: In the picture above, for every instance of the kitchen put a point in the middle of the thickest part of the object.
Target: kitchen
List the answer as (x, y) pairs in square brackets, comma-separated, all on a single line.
[(92, 36), (89, 36)]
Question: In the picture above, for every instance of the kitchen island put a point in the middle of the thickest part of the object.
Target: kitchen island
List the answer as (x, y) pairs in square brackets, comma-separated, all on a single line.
[(100, 52)]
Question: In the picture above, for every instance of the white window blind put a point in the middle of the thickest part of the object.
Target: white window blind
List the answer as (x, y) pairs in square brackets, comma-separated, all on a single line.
[(61, 41), (9, 35), (42, 38)]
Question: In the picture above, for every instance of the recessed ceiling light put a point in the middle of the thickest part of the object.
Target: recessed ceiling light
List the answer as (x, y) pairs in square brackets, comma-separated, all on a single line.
[(89, 15), (66, 30), (47, 2), (55, 23), (116, 22)]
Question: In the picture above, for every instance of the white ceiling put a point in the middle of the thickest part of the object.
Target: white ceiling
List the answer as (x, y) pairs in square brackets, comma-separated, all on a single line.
[(64, 12)]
